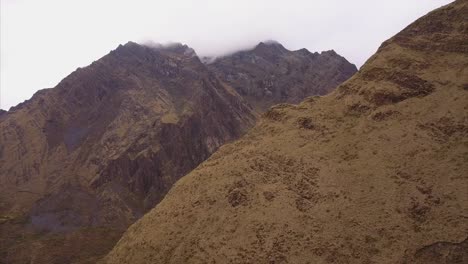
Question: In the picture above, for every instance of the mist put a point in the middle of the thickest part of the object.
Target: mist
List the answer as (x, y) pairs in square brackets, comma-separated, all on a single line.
[(44, 41)]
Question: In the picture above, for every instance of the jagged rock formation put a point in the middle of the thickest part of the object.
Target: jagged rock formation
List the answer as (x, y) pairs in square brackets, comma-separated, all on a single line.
[(79, 163), (105, 145), (373, 173), (270, 74)]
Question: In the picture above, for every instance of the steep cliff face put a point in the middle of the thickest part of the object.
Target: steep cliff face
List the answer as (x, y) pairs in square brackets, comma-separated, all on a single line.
[(373, 173), (107, 143), (270, 74)]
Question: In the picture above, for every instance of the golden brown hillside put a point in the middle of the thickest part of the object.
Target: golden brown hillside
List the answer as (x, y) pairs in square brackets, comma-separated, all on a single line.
[(376, 172)]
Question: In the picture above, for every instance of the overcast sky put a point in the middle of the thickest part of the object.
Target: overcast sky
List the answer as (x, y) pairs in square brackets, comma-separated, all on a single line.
[(43, 41)]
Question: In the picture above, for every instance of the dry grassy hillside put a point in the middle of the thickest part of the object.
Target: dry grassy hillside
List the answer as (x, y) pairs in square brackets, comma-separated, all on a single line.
[(376, 172)]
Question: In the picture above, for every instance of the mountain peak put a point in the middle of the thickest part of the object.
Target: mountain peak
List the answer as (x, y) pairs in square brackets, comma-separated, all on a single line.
[(270, 45), (278, 75), (330, 52), (174, 48)]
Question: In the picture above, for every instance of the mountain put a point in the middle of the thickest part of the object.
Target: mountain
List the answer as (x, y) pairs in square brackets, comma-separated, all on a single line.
[(270, 74), (81, 162), (375, 172), (105, 145)]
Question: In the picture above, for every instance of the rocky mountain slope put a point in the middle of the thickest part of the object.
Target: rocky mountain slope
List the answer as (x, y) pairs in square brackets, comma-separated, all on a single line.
[(373, 173), (105, 145), (270, 74), (82, 161)]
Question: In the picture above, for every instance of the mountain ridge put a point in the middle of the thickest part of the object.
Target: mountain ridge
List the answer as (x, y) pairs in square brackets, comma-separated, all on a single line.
[(184, 47)]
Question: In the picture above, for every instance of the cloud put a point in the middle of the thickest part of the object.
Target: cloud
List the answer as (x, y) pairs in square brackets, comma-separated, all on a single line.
[(43, 41)]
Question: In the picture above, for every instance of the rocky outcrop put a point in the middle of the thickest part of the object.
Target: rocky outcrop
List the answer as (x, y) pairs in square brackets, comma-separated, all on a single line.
[(375, 172), (442, 252), (270, 74)]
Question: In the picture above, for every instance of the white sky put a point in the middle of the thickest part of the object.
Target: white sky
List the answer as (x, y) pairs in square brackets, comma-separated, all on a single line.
[(42, 41)]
